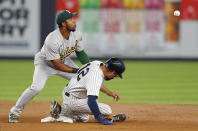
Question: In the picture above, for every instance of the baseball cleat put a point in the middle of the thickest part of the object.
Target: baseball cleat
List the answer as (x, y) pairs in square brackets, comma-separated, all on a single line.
[(119, 118), (55, 109), (13, 118)]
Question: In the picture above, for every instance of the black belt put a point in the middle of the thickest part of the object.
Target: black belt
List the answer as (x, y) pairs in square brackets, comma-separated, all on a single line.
[(67, 94)]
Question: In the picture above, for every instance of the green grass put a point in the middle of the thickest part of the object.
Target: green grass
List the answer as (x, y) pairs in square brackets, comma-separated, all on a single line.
[(160, 82)]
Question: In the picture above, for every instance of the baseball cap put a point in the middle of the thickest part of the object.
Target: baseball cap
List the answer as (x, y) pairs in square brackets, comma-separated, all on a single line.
[(64, 15)]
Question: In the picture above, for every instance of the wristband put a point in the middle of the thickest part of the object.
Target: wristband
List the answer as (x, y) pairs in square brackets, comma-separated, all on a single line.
[(75, 70)]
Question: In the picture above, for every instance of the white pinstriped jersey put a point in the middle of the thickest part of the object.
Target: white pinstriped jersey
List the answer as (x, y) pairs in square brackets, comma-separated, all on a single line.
[(87, 81)]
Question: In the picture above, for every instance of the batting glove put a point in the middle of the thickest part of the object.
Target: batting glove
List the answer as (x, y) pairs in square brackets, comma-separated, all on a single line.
[(103, 120)]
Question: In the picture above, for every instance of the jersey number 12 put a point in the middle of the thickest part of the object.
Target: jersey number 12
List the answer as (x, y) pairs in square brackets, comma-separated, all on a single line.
[(83, 71)]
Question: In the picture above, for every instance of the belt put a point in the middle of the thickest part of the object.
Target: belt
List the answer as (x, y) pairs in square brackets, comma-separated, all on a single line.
[(67, 94)]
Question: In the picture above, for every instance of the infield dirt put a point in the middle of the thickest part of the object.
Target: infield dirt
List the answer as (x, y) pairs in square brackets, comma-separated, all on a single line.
[(140, 117)]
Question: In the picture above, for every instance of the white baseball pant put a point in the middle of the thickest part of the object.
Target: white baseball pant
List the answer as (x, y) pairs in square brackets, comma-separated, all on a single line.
[(41, 73), (79, 110)]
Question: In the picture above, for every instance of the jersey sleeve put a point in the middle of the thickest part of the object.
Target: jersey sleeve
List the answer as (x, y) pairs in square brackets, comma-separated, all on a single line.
[(80, 45), (51, 51), (94, 83)]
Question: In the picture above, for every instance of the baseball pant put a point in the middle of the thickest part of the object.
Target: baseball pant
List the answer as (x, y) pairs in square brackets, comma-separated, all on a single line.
[(41, 73), (79, 110)]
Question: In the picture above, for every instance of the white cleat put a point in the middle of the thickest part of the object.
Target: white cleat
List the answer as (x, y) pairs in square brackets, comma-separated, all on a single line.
[(13, 118), (48, 119), (65, 119)]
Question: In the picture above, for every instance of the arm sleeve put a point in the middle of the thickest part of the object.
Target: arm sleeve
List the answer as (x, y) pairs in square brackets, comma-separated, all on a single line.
[(83, 57), (93, 106), (51, 51)]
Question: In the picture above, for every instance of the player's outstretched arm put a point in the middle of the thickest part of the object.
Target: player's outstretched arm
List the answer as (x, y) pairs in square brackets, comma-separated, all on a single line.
[(96, 112), (109, 93), (62, 67)]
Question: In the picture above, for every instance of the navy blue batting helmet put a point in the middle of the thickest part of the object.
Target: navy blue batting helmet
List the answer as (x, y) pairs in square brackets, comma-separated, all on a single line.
[(115, 64)]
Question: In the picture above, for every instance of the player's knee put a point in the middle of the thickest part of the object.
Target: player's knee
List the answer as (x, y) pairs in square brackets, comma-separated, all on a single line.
[(85, 119), (108, 111), (35, 89), (105, 109)]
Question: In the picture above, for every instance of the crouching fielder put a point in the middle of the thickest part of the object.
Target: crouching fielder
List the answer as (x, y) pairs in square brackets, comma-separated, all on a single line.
[(81, 94)]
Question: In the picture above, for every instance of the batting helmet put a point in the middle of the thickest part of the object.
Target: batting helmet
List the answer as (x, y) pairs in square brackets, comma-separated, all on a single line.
[(115, 64)]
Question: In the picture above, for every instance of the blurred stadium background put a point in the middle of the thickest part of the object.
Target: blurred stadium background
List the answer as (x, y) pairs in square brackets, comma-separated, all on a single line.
[(130, 29)]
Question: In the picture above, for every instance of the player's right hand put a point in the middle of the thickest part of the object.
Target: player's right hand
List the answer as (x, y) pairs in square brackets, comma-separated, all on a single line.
[(115, 96)]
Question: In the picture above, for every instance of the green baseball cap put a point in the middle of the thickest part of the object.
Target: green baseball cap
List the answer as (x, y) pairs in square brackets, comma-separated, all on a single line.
[(64, 15)]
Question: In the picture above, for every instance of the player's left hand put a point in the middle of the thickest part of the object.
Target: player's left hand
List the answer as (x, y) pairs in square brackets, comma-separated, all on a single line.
[(115, 96)]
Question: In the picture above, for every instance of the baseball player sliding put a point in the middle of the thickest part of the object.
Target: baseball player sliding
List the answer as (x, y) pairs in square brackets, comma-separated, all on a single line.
[(54, 59), (81, 94)]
